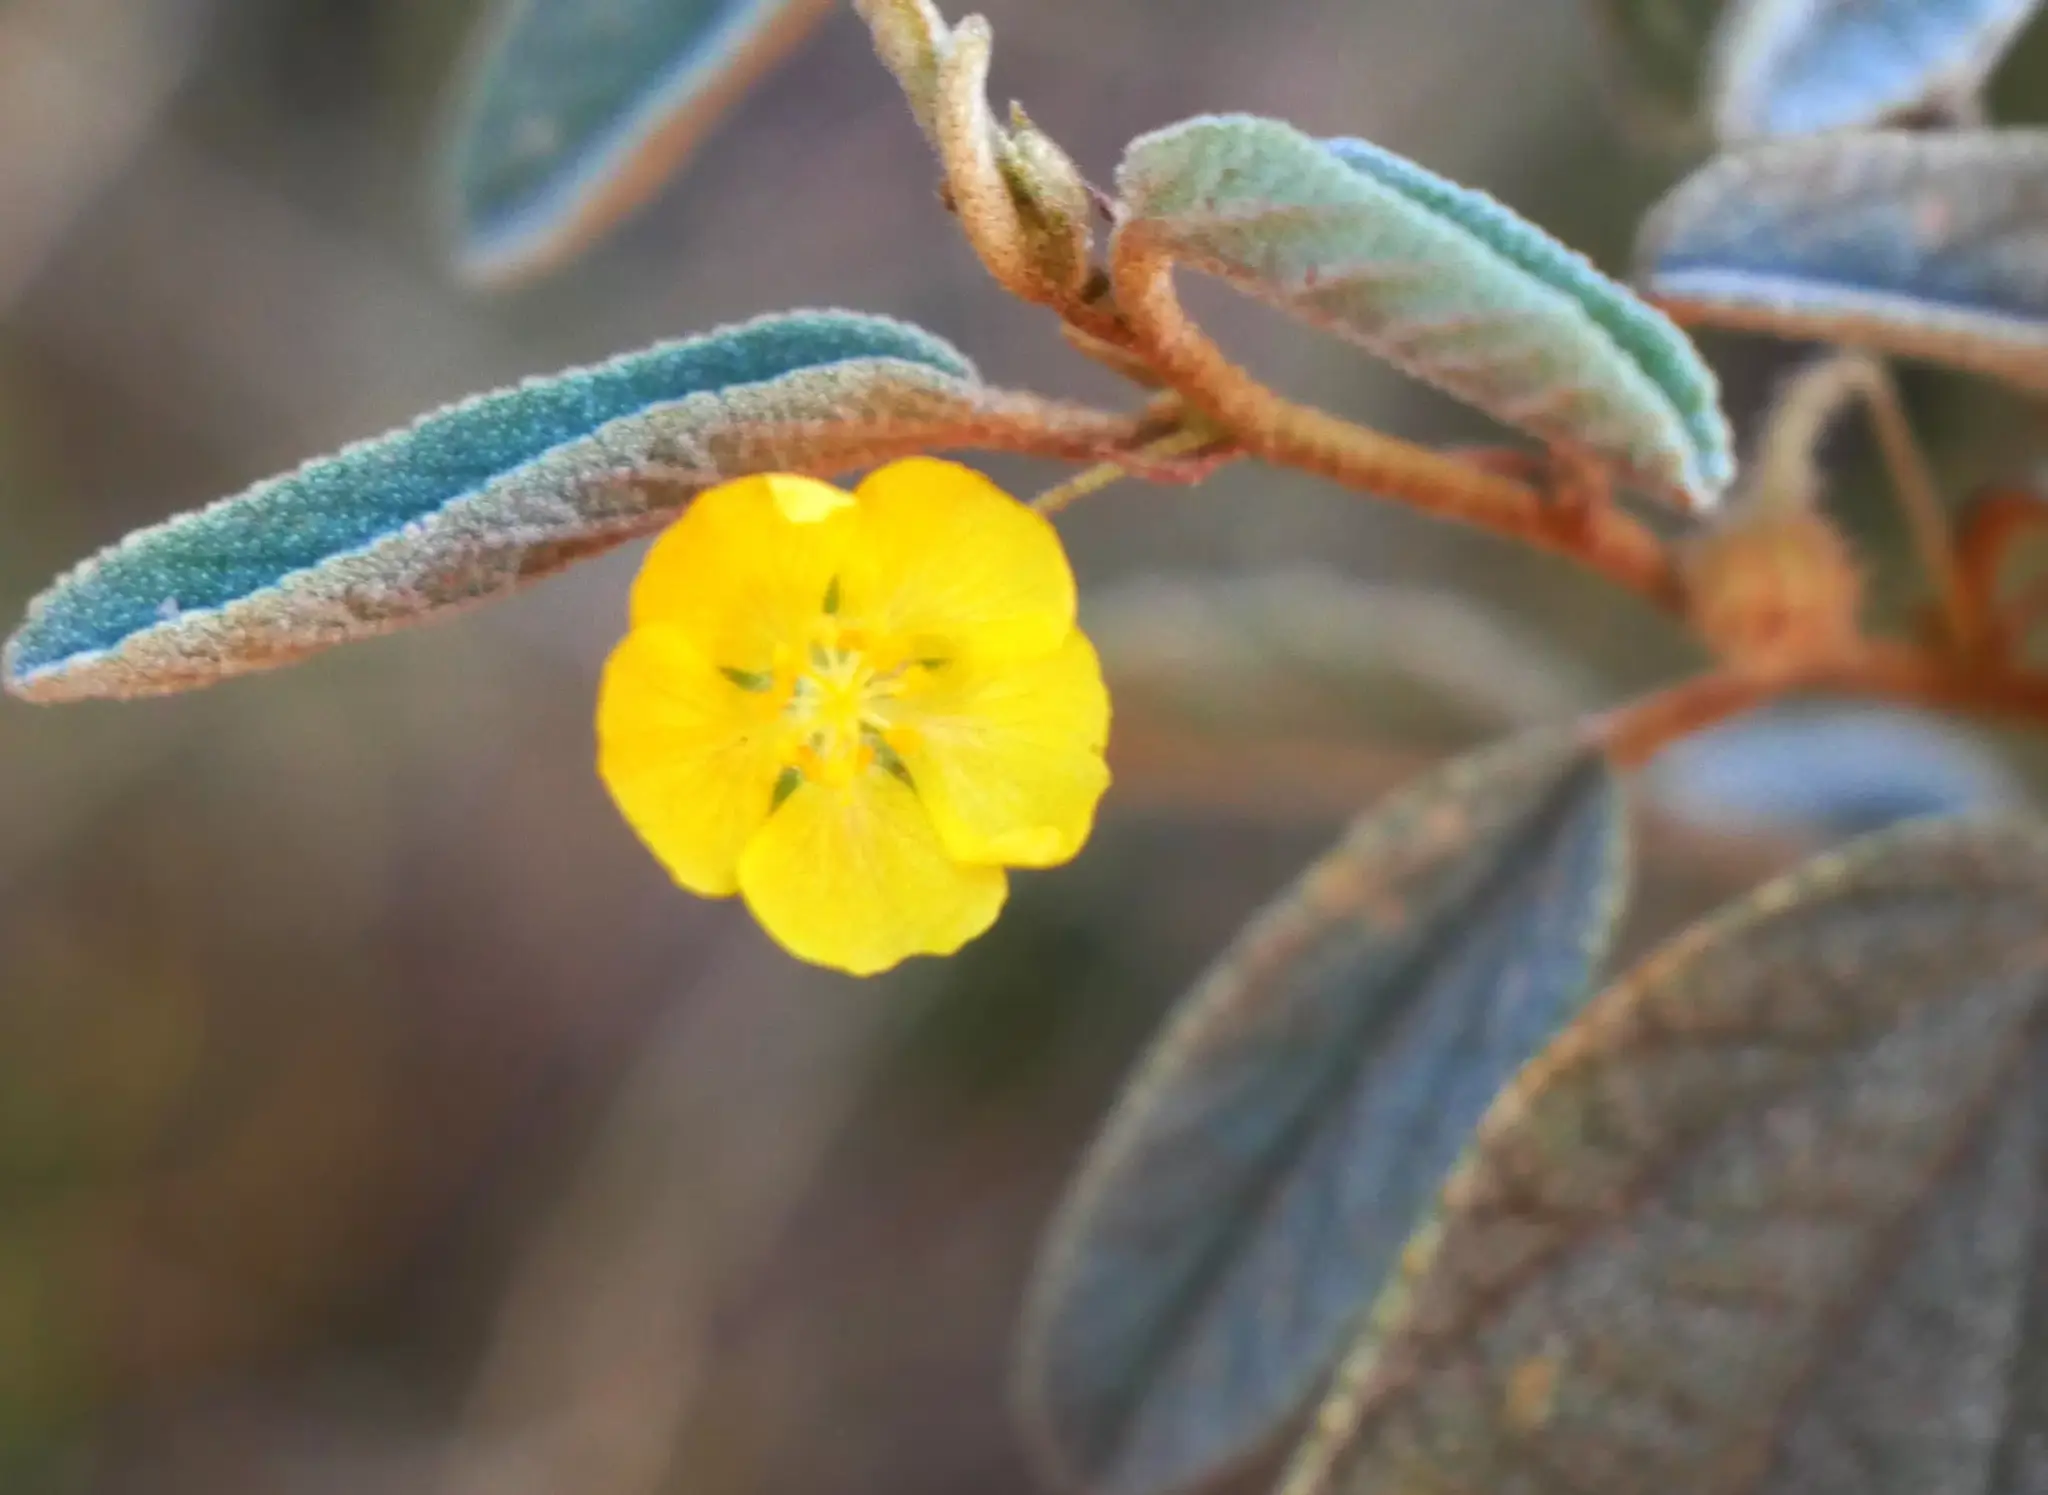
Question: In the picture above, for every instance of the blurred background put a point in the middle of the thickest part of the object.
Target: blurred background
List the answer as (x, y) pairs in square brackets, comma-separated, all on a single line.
[(374, 1116)]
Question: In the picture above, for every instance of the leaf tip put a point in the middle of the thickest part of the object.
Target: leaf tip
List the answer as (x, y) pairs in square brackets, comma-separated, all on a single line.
[(555, 132)]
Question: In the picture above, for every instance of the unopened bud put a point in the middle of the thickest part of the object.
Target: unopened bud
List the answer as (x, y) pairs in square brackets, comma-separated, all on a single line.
[(1771, 591), (1054, 201)]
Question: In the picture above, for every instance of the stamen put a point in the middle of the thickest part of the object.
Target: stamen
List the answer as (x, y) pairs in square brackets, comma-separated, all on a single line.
[(832, 597), (886, 757), (750, 680), (839, 708), (786, 784)]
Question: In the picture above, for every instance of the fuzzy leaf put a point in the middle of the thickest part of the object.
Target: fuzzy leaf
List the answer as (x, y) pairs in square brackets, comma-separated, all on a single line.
[(1293, 1120), (1931, 246), (482, 496), (1840, 770), (1442, 282), (1765, 1220), (910, 38), (1797, 67), (571, 113)]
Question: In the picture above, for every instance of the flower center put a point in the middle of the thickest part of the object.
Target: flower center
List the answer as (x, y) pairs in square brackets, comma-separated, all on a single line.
[(839, 708), (839, 694)]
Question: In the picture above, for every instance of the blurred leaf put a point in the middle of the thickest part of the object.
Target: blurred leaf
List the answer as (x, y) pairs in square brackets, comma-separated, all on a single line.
[(1840, 770), (1442, 282), (571, 113), (1766, 1218), (1783, 473), (1929, 246), (1274, 1149), (1797, 67), (482, 496), (1659, 57), (1307, 648)]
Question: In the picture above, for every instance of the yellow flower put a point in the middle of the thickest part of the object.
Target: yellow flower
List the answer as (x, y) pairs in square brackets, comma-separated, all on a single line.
[(856, 709)]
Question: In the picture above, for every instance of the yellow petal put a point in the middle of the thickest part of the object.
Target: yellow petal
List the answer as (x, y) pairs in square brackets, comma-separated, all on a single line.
[(1007, 757), (946, 555), (747, 567), (854, 876), (690, 757)]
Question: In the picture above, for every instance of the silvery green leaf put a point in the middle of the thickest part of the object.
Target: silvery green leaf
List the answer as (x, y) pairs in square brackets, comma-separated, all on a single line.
[(1766, 1219), (571, 113), (1443, 282), (1840, 770), (1293, 1120), (485, 495), (1931, 246), (1797, 67)]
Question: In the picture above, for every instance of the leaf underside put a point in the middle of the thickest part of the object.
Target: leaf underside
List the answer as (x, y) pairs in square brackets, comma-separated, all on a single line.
[(1797, 67), (1930, 246), (1767, 1219), (1294, 1119)]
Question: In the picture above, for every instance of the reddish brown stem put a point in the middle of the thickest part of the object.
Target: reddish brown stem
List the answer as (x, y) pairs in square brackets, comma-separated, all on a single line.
[(1965, 618), (1997, 519), (1635, 733), (1906, 673), (1997, 522), (1916, 676), (1603, 538)]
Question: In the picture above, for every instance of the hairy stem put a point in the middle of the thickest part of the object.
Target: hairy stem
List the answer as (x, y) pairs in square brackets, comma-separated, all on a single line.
[(1601, 538), (1905, 673), (1963, 610), (1176, 444), (1633, 734), (1998, 521), (1923, 677)]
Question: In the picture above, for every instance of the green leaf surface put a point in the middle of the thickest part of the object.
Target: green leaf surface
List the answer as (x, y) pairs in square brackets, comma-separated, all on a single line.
[(482, 496), (1767, 1219), (1797, 67), (1293, 1120), (571, 113), (1441, 281), (1921, 245)]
